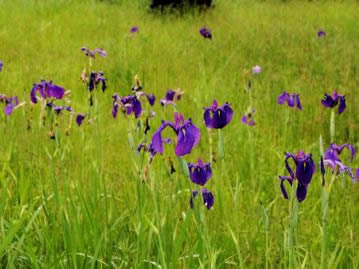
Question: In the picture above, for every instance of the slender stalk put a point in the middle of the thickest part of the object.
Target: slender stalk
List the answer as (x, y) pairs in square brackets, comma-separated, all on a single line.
[(325, 207), (332, 126), (293, 219), (211, 159), (220, 144)]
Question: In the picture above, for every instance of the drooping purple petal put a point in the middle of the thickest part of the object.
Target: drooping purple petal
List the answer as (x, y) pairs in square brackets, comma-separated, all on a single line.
[(305, 170), (282, 188), (9, 108), (1, 65), (188, 137), (301, 192), (342, 104), (297, 101)]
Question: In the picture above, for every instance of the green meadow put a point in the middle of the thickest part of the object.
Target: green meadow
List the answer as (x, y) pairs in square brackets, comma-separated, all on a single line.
[(86, 199)]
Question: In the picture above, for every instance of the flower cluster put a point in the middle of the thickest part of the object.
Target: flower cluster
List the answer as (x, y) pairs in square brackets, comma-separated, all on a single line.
[(292, 100)]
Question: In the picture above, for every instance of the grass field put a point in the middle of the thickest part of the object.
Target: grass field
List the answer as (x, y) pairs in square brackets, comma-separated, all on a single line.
[(86, 199)]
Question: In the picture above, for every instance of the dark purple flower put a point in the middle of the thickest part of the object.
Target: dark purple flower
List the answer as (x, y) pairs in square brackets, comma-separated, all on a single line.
[(129, 104), (95, 79), (58, 109), (79, 118), (134, 29), (91, 53), (304, 170), (331, 158), (205, 32), (321, 33), (151, 99), (332, 101), (1, 65), (217, 117), (171, 97), (291, 99), (200, 172), (208, 198), (46, 90), (188, 135), (10, 103), (248, 118)]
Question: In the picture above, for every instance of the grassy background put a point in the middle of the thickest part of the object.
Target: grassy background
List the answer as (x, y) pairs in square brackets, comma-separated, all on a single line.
[(79, 202)]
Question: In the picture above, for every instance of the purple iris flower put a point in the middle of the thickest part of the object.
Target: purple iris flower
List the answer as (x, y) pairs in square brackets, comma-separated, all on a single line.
[(205, 32), (332, 101), (248, 118), (95, 79), (134, 29), (58, 109), (91, 53), (10, 103), (304, 170), (46, 90), (79, 118), (291, 99), (321, 33), (188, 135), (171, 97), (217, 117), (200, 172), (1, 65), (208, 198), (331, 158), (151, 99), (129, 104)]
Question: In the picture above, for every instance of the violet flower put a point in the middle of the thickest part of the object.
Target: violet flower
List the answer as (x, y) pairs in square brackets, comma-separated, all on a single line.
[(205, 32), (331, 159), (248, 118), (256, 70), (291, 99), (304, 170), (171, 97), (208, 198), (217, 117), (58, 109), (129, 104), (200, 173), (1, 65), (332, 101), (10, 103), (188, 135), (134, 29), (321, 33), (91, 53), (46, 90), (95, 79), (79, 118), (151, 98)]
